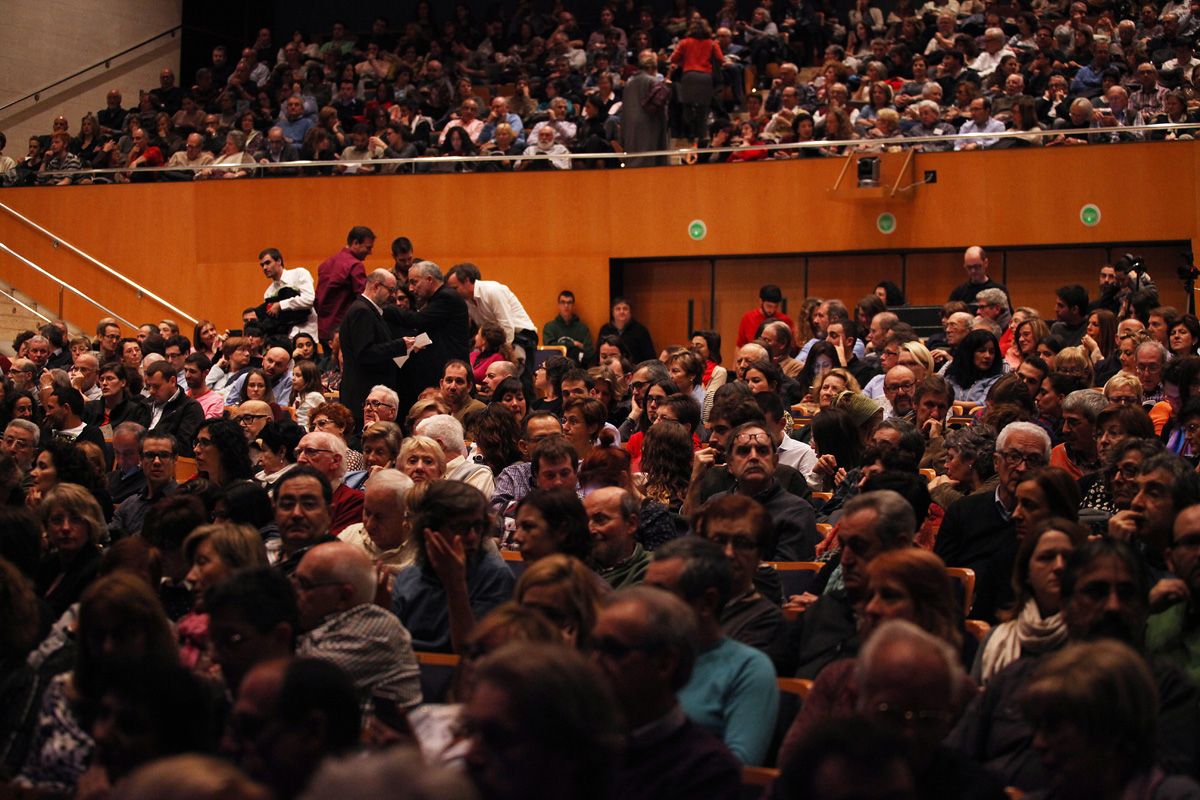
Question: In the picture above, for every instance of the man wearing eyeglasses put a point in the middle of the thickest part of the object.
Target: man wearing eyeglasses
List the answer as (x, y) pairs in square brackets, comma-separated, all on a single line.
[(743, 530), (752, 463), (158, 466), (978, 531), (326, 454), (899, 388), (20, 442), (368, 346), (1151, 361)]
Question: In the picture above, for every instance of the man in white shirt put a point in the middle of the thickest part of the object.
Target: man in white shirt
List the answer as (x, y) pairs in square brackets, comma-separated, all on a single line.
[(85, 375), (994, 50), (298, 279), (492, 301)]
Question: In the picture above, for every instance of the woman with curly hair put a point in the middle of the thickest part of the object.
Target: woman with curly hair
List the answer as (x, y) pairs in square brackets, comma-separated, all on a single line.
[(666, 467), (551, 521), (61, 462), (222, 453), (496, 432)]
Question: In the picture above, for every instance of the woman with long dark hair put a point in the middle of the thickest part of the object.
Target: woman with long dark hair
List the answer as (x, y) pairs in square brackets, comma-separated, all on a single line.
[(976, 366), (222, 453)]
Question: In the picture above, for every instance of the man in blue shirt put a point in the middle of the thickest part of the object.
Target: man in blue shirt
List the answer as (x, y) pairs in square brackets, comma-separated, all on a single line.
[(732, 691)]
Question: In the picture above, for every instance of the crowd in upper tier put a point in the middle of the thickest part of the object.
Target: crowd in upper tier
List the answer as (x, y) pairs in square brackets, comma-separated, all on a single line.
[(633, 80)]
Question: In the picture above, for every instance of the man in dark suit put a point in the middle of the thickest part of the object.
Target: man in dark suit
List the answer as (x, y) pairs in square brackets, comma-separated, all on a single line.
[(172, 412), (443, 316), (978, 531), (368, 345)]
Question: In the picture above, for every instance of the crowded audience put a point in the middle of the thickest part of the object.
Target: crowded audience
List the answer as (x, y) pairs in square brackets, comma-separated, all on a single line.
[(834, 78)]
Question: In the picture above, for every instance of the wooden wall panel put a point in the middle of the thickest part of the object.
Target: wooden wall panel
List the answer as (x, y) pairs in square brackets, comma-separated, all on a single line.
[(538, 232), (1034, 275), (849, 277), (659, 293)]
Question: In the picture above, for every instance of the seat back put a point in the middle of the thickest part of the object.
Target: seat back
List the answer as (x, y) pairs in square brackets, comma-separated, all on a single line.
[(965, 578), (437, 674), (796, 576)]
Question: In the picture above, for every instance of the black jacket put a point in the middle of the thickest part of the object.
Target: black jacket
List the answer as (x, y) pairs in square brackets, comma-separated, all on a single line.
[(181, 418), (131, 409), (368, 347), (446, 321)]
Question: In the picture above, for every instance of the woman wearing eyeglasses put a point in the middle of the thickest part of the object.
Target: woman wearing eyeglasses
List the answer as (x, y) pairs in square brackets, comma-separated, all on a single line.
[(222, 453)]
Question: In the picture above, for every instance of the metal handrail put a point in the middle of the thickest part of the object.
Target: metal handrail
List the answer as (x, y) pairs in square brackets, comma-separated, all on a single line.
[(104, 62), (64, 284), (25, 305), (58, 240), (901, 141)]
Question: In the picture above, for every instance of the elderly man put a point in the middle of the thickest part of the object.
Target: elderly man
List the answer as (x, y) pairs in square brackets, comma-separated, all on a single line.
[(383, 534), (172, 412), (500, 115), (1149, 97), (291, 293), (443, 315), (382, 405), (455, 389), (448, 433), (978, 531), (752, 463), (278, 150), (872, 523), (744, 532), (1165, 487), (646, 642), (732, 690), (975, 263), (302, 512), (458, 577), (1104, 596), (904, 670), (233, 162), (777, 338), (85, 375), (157, 456), (1151, 361), (191, 158), (335, 586), (21, 442), (1118, 115), (1077, 452), (293, 122), (369, 346), (617, 556), (326, 454)]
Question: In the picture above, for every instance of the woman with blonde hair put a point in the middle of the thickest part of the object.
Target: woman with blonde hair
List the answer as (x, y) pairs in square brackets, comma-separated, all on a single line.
[(421, 459)]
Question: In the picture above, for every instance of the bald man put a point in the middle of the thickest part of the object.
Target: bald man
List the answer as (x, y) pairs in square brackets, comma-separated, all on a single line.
[(975, 264), (335, 589)]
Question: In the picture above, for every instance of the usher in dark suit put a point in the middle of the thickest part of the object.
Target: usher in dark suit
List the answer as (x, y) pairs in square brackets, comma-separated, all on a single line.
[(445, 319)]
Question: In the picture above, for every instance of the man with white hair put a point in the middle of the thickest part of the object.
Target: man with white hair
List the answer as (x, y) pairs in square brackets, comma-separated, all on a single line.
[(382, 405), (978, 531), (335, 590), (994, 49), (383, 533), (21, 443), (448, 433), (326, 453)]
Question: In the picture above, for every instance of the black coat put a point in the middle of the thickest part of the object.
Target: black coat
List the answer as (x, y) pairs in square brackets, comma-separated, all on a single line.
[(976, 536), (445, 319), (181, 419), (131, 409), (368, 347)]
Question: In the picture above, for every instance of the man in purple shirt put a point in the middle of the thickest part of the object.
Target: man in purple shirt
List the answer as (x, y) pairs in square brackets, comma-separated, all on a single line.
[(341, 278)]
